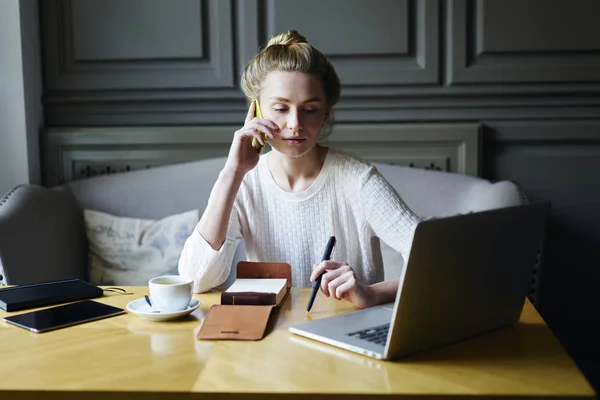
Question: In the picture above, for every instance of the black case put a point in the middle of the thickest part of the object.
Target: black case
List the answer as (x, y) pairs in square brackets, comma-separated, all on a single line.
[(24, 297)]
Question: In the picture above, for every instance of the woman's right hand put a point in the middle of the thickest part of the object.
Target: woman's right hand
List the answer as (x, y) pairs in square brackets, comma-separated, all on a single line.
[(243, 157), (340, 281)]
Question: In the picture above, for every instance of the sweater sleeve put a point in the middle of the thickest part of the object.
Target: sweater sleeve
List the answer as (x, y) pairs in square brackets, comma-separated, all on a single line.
[(386, 212), (206, 266)]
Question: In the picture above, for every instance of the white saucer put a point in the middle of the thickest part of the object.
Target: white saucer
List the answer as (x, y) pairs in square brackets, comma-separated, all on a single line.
[(140, 308)]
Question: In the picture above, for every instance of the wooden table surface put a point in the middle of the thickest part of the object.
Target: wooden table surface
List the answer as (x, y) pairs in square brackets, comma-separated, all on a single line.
[(130, 358)]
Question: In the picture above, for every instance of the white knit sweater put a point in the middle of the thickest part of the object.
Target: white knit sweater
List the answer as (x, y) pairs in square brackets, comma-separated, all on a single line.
[(349, 199)]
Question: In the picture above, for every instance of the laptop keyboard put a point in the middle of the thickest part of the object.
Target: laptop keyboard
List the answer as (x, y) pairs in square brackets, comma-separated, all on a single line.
[(377, 334)]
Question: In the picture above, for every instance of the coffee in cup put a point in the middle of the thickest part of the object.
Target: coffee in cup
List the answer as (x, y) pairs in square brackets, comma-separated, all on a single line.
[(170, 292)]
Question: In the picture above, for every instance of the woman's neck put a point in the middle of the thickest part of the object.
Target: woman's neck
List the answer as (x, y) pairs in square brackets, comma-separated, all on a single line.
[(296, 174)]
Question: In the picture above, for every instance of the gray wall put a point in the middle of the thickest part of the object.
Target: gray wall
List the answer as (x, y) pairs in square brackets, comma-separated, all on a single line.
[(527, 71), (20, 94)]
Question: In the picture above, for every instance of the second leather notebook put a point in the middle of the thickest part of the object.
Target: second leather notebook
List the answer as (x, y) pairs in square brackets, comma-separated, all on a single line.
[(259, 283), (255, 291)]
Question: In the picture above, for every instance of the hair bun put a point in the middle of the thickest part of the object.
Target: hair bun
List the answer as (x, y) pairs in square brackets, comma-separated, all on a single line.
[(287, 38)]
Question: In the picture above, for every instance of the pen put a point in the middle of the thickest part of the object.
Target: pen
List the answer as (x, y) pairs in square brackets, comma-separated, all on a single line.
[(317, 282)]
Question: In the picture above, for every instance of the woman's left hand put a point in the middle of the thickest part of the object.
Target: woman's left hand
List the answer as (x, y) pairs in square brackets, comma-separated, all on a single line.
[(340, 281)]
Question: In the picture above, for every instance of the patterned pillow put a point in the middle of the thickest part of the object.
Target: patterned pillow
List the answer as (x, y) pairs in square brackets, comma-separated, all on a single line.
[(130, 251)]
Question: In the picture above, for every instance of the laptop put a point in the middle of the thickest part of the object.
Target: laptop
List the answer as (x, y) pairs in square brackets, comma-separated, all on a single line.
[(466, 275)]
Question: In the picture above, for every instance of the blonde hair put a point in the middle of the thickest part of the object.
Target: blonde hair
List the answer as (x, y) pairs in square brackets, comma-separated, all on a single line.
[(290, 51)]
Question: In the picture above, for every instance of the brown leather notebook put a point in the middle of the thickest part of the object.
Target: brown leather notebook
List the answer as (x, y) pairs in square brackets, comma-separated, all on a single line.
[(249, 290), (249, 317)]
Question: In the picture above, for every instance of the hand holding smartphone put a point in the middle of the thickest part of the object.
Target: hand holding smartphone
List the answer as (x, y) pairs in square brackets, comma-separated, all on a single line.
[(258, 114)]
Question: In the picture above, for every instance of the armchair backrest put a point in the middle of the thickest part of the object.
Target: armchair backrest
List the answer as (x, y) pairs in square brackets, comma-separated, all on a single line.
[(42, 236)]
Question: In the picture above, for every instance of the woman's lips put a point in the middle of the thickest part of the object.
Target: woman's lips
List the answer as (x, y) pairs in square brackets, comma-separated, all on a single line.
[(294, 140)]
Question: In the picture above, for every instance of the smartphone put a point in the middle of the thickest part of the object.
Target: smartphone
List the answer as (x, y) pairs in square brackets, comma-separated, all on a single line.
[(62, 316), (258, 114)]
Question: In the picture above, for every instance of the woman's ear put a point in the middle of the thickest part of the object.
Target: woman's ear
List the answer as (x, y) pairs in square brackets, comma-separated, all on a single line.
[(327, 114)]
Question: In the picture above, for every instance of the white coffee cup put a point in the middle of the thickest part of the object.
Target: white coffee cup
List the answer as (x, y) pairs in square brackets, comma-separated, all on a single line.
[(170, 292)]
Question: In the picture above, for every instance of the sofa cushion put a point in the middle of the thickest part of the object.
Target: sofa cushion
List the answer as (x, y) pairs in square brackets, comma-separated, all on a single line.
[(130, 251)]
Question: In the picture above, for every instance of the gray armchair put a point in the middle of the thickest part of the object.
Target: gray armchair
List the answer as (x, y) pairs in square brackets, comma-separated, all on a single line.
[(42, 232)]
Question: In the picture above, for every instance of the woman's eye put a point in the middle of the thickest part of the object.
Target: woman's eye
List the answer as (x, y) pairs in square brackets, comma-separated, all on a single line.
[(285, 109)]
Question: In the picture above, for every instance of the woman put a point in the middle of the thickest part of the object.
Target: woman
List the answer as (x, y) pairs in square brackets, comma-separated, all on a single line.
[(286, 203)]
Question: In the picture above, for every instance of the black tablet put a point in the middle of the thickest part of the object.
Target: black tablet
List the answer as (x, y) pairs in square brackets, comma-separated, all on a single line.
[(24, 297), (63, 316)]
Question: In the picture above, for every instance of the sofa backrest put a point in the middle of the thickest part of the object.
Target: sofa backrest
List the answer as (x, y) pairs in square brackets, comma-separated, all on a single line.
[(431, 193), (158, 192), (162, 191), (151, 193)]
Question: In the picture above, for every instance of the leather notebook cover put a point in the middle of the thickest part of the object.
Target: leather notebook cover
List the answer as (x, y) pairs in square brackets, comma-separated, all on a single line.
[(35, 295), (235, 322), (249, 317), (259, 270), (252, 269)]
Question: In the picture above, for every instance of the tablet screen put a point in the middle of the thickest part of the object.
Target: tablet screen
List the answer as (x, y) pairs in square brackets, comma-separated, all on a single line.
[(63, 316)]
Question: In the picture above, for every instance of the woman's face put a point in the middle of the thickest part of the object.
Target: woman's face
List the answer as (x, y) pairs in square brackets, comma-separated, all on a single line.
[(295, 102)]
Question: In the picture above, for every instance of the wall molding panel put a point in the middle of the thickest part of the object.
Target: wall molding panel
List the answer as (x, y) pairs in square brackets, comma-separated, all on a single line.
[(406, 55), (81, 153), (403, 61), (548, 41), (75, 62)]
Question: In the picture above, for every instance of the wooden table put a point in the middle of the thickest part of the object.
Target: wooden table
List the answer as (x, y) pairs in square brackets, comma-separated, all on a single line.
[(128, 358)]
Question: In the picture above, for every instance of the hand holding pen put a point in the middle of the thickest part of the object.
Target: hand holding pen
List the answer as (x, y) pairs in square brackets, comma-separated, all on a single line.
[(338, 279), (317, 282)]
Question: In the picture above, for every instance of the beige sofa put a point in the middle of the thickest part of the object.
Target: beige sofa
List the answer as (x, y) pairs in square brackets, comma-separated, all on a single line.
[(42, 230)]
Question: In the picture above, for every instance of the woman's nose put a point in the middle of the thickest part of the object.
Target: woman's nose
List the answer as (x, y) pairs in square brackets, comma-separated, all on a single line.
[(293, 122)]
